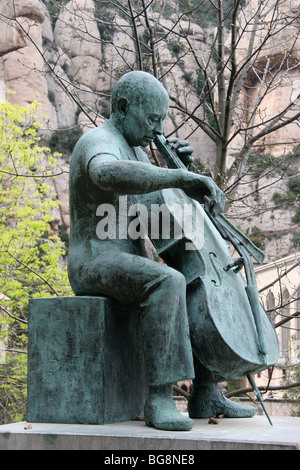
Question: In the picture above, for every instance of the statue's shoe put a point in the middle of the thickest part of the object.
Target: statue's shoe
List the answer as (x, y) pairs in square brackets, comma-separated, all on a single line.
[(202, 404), (163, 414)]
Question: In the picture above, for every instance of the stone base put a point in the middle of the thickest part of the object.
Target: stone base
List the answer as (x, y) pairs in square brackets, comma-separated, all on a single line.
[(230, 434), (85, 362)]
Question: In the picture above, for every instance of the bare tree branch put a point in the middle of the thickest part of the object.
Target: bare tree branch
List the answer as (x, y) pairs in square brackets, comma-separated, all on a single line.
[(243, 391)]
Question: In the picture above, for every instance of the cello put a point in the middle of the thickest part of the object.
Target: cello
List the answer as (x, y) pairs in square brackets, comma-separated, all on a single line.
[(231, 333)]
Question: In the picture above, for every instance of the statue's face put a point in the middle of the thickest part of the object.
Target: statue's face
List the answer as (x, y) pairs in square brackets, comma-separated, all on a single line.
[(144, 121)]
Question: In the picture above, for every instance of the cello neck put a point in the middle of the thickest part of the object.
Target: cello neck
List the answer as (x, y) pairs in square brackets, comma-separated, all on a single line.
[(171, 157), (223, 224)]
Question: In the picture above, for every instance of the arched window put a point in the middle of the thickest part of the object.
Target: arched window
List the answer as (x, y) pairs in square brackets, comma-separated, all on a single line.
[(270, 304), (298, 318), (284, 333)]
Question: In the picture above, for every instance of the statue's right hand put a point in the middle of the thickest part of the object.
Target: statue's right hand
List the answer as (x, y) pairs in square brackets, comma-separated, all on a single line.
[(200, 186)]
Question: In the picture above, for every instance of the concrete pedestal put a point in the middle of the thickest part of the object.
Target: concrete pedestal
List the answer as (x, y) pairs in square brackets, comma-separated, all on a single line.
[(230, 434), (85, 362)]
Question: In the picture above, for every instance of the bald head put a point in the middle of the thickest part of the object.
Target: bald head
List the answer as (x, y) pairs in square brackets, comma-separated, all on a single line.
[(135, 87), (139, 105)]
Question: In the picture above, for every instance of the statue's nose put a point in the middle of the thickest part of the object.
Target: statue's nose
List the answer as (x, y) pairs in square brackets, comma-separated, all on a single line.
[(159, 127)]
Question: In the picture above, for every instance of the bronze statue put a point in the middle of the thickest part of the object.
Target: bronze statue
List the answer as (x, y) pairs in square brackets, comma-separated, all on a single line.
[(107, 165)]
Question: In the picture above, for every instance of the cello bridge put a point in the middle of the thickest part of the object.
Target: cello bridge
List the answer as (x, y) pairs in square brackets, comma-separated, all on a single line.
[(238, 264)]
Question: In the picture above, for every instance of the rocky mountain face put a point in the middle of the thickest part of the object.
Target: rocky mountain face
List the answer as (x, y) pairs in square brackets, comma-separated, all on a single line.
[(70, 64)]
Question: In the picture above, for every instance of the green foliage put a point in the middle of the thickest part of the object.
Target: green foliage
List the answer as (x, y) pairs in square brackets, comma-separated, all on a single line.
[(296, 241), (294, 185), (54, 7), (293, 394), (64, 236), (205, 13), (198, 167), (259, 162), (31, 256), (287, 164), (175, 47), (296, 217), (64, 140), (200, 11), (257, 237)]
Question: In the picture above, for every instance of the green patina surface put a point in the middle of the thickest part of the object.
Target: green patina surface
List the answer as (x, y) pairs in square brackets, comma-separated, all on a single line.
[(81, 369), (85, 358)]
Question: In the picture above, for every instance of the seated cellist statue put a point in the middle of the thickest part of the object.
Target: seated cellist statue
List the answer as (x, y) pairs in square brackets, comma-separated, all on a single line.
[(107, 163)]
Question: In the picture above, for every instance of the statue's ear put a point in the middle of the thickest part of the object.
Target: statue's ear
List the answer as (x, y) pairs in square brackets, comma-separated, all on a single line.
[(123, 106)]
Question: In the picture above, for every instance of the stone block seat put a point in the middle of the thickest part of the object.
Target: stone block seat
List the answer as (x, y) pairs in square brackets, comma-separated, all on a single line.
[(85, 362)]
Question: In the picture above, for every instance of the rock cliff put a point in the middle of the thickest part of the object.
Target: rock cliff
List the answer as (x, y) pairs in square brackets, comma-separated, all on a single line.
[(70, 64)]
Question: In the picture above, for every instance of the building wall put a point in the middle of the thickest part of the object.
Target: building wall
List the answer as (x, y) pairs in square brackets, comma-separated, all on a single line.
[(281, 299)]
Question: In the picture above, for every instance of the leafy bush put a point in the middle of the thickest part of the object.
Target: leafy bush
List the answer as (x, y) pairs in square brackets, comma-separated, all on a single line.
[(31, 255)]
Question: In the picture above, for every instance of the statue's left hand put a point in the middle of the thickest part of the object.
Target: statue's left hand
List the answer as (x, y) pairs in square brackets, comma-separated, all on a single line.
[(183, 150)]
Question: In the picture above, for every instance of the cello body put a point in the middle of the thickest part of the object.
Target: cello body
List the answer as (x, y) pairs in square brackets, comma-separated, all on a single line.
[(223, 330), (226, 335)]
